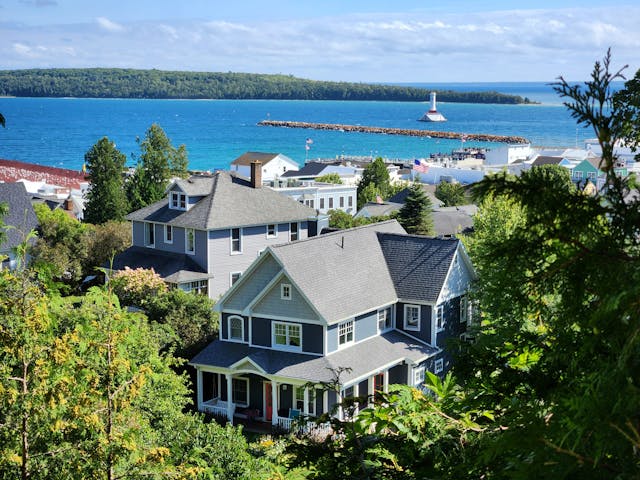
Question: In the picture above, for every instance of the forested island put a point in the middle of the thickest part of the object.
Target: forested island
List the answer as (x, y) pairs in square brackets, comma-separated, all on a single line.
[(129, 83)]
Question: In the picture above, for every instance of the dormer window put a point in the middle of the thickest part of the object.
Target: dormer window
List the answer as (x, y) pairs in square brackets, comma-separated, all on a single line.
[(178, 201)]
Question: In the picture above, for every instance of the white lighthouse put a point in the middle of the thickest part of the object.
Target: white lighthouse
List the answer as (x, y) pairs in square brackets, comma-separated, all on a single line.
[(433, 115)]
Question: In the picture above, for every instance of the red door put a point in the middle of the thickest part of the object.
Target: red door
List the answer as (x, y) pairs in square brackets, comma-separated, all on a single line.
[(268, 401)]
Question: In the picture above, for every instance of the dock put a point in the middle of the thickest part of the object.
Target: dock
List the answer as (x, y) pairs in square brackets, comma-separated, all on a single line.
[(478, 137)]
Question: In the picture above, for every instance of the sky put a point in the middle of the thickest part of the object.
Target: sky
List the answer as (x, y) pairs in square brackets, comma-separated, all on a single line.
[(401, 41)]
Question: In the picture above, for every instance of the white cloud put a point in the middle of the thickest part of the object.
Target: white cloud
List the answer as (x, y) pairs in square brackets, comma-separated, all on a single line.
[(108, 25)]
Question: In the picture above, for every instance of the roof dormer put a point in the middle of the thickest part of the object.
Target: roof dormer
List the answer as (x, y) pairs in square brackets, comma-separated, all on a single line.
[(178, 200)]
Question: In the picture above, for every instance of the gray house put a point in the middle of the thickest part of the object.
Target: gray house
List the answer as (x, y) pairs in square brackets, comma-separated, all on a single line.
[(209, 229), (372, 299), (18, 222)]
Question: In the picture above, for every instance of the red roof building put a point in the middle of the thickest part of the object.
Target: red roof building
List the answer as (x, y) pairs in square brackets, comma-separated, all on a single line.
[(13, 170)]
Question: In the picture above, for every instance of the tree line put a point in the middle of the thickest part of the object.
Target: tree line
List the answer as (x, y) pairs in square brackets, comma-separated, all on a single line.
[(129, 83)]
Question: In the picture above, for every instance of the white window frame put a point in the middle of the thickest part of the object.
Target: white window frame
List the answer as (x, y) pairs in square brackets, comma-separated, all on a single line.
[(285, 291), (344, 329), (341, 201), (297, 232), (464, 309), (178, 201), (407, 326), (350, 203), (330, 203), (239, 251), (418, 376), (231, 274), (592, 175), (186, 241), (438, 366), (288, 336), (246, 381), (387, 313), (149, 231), (321, 203), (275, 230), (168, 237), (235, 339), (577, 174), (440, 324), (200, 287), (311, 400)]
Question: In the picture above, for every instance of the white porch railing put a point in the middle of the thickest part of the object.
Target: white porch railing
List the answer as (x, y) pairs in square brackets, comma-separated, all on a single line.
[(218, 407), (305, 428), (284, 423)]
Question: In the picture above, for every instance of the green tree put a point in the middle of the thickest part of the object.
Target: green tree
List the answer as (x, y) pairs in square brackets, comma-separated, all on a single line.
[(451, 194), (415, 214), (104, 242), (330, 178), (375, 181), (106, 199), (159, 161), (4, 209)]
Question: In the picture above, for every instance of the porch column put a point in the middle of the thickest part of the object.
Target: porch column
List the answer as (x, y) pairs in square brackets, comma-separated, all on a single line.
[(274, 402), (305, 408), (339, 400), (229, 397), (199, 388), (385, 381), (219, 389)]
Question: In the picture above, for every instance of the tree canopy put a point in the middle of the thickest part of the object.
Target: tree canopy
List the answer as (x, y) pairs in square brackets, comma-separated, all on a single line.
[(451, 194), (415, 214), (374, 182)]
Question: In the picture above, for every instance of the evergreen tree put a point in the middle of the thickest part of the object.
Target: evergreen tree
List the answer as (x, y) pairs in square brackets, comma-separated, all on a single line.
[(451, 194), (159, 161), (415, 214), (375, 181), (106, 199)]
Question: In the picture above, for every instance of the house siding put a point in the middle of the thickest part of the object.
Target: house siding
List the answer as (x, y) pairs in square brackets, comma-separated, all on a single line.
[(261, 335), (366, 325), (138, 234), (261, 332), (273, 304), (398, 374), (201, 249), (425, 322), (250, 287), (256, 393), (458, 280), (312, 338), (452, 326), (225, 326)]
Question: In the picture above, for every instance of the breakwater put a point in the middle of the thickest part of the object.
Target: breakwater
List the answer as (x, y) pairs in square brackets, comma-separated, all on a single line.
[(479, 137)]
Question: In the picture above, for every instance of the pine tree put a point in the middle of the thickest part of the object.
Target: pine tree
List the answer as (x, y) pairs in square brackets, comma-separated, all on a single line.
[(415, 214), (375, 178), (106, 198)]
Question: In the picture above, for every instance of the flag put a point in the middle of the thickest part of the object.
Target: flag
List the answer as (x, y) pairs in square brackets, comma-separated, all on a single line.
[(420, 165), (307, 147), (309, 141)]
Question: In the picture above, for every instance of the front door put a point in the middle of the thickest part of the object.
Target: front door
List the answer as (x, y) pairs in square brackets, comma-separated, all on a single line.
[(268, 404)]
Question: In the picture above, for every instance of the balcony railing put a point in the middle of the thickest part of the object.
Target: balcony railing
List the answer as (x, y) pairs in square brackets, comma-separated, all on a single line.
[(218, 407)]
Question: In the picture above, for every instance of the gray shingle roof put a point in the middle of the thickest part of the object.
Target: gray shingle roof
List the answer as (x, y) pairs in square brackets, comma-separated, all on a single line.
[(172, 267), (195, 186), (453, 220), (20, 215), (232, 202), (248, 157), (391, 347), (341, 273), (546, 160), (310, 169), (418, 265)]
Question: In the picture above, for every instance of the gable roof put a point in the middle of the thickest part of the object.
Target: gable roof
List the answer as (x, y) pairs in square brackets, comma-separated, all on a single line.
[(546, 160), (418, 265), (343, 273), (248, 157), (13, 170), (230, 202), (310, 169), (20, 215), (172, 267)]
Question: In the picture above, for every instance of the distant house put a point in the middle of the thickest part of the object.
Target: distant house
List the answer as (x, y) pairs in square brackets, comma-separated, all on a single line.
[(42, 179), (209, 229), (372, 299), (20, 219), (274, 165), (322, 196), (349, 174)]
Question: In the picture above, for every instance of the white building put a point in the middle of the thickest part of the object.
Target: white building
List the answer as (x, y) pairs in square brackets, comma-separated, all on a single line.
[(323, 196), (273, 165)]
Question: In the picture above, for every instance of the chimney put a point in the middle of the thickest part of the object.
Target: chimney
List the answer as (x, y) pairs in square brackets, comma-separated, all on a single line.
[(68, 204), (256, 174)]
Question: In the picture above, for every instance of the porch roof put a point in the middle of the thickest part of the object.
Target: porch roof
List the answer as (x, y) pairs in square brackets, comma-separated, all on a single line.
[(363, 358)]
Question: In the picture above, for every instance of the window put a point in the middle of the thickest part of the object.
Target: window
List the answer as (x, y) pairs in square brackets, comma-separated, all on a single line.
[(330, 202), (350, 201), (464, 308), (309, 203), (178, 201), (322, 203), (348, 392), (345, 332), (285, 291), (412, 317), (236, 329), (189, 240), (311, 400), (294, 232), (240, 391), (235, 276), (384, 319), (438, 366), (591, 175), (378, 384), (577, 174), (341, 202), (439, 318), (418, 376), (149, 234), (168, 234), (272, 231), (287, 336), (236, 240), (199, 286)]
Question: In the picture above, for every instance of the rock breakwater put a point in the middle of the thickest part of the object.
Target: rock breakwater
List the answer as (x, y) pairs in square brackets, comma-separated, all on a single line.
[(479, 137)]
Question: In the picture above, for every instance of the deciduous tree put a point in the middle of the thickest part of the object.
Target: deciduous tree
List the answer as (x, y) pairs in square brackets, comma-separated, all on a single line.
[(451, 194), (375, 181)]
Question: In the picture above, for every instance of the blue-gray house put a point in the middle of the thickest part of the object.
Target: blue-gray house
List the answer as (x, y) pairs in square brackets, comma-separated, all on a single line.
[(371, 299), (210, 228)]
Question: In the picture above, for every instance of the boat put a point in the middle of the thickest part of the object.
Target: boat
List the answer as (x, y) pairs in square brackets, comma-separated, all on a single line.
[(433, 115)]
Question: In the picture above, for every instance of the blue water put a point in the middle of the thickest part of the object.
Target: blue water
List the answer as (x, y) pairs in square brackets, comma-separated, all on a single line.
[(58, 132)]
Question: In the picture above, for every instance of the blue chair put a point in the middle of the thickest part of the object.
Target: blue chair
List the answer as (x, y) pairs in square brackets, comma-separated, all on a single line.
[(293, 413)]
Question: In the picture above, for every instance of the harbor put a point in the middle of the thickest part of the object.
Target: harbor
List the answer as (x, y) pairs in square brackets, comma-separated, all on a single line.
[(479, 137)]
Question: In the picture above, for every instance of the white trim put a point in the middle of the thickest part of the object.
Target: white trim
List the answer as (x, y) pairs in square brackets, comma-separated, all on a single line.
[(247, 360), (285, 291), (418, 371), (229, 338), (231, 250), (246, 380), (168, 227), (231, 274), (388, 309), (440, 313), (438, 366), (344, 324), (405, 324), (287, 347), (186, 241), (297, 231), (275, 230), (153, 231)]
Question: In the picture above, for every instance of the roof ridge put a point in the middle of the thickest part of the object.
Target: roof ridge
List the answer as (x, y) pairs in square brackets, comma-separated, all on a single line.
[(414, 235), (212, 195)]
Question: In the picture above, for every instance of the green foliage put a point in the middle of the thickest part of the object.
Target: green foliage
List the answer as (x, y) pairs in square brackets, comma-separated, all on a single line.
[(106, 199), (104, 242), (451, 194), (159, 161), (128, 83), (136, 286), (415, 214), (4, 209), (340, 219), (374, 182), (330, 178)]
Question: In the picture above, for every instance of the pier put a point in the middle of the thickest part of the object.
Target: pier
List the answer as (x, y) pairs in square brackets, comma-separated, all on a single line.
[(479, 137)]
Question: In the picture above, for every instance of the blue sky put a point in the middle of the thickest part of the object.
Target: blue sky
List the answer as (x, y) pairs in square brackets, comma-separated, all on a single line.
[(363, 41)]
